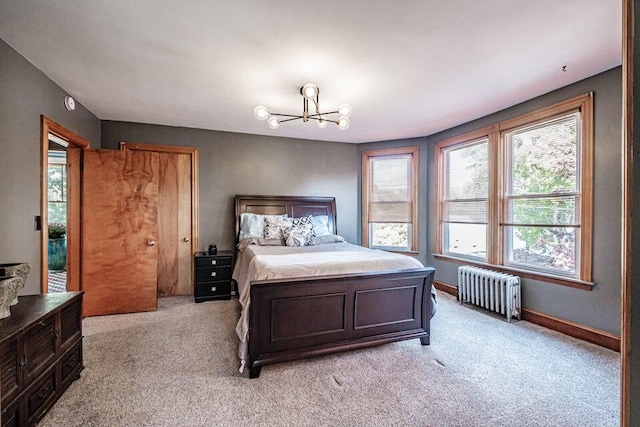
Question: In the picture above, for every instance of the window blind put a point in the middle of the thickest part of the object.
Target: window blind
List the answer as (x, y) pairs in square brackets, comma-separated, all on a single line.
[(390, 189)]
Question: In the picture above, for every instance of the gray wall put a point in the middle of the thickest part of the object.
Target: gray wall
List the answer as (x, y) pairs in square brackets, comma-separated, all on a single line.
[(599, 308), (25, 94), (234, 163)]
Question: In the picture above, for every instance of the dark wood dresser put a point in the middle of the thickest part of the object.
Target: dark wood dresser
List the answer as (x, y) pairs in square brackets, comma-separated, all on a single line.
[(213, 276), (40, 354)]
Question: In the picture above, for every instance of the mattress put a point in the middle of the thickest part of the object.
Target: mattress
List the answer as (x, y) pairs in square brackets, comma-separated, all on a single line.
[(283, 262)]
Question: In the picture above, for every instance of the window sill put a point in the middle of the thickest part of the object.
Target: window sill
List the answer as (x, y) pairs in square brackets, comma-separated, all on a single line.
[(548, 278)]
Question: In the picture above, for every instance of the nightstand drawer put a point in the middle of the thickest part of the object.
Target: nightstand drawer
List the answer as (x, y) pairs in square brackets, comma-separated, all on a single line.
[(210, 274), (212, 289), (216, 261)]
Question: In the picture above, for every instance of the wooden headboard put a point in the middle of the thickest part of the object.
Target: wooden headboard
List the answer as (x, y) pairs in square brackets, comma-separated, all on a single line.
[(294, 206)]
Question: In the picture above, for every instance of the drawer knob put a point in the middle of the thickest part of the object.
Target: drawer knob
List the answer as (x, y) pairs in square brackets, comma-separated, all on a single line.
[(214, 288), (186, 239), (214, 261), (151, 243), (213, 274)]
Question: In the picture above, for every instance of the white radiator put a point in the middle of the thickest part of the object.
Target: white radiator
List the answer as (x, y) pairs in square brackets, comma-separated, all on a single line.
[(495, 291)]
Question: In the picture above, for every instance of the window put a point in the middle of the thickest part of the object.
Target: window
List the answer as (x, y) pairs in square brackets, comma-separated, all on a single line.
[(389, 195), (464, 203), (518, 195)]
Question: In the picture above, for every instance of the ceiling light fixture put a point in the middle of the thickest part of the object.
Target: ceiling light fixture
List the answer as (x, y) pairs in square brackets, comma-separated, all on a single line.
[(309, 92)]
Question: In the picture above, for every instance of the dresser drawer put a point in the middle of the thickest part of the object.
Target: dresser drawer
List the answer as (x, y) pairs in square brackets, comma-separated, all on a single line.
[(72, 364), (213, 261), (11, 415), (213, 289), (210, 274), (40, 395)]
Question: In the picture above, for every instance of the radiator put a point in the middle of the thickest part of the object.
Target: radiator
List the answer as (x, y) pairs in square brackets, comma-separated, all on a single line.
[(495, 291)]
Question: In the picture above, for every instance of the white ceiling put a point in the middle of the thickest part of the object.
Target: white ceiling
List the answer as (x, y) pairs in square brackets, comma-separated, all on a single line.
[(408, 67)]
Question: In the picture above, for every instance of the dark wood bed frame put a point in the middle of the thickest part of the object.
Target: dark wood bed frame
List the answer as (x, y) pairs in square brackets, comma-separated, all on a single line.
[(297, 318)]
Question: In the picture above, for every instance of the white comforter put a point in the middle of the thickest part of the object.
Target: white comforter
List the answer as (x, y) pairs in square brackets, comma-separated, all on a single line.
[(280, 262)]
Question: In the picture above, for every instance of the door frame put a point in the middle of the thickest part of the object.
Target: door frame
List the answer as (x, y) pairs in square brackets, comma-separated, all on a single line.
[(193, 153), (73, 204), (629, 33)]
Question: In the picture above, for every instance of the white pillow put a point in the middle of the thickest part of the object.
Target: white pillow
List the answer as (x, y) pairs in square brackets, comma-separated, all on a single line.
[(252, 225), (320, 225)]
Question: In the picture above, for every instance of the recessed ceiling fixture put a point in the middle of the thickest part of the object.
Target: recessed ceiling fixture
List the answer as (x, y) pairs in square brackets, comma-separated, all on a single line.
[(309, 92)]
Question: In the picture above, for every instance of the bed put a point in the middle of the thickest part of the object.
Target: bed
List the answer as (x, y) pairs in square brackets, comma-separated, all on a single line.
[(289, 316)]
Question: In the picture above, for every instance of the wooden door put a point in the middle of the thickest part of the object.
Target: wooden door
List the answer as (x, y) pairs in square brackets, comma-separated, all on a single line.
[(119, 231), (174, 225), (177, 215)]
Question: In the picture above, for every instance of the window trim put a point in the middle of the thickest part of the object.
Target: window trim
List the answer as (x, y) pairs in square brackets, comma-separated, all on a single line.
[(497, 183), (414, 152)]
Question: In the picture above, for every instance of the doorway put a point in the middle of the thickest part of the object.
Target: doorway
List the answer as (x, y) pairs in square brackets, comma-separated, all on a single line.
[(60, 207), (57, 214)]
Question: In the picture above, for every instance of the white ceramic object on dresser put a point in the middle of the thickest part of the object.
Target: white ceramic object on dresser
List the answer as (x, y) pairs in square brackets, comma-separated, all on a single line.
[(18, 269), (9, 287)]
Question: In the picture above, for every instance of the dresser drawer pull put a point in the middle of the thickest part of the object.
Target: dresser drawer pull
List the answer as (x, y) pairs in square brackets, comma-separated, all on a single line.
[(43, 393), (214, 288), (213, 274), (214, 262), (71, 363)]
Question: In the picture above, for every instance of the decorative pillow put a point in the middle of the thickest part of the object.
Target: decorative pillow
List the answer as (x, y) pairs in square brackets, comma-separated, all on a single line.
[(302, 220), (320, 225), (252, 225), (326, 239), (298, 235), (274, 225)]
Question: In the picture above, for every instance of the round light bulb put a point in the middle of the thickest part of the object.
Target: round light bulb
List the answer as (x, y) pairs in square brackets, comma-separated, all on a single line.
[(274, 122), (343, 123), (310, 91), (345, 110), (261, 112), (322, 123)]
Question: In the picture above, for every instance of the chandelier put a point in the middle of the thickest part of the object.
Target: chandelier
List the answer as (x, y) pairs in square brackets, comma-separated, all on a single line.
[(309, 92)]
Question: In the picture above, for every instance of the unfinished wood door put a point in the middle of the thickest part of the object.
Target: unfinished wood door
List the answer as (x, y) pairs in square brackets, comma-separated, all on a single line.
[(174, 225), (119, 231)]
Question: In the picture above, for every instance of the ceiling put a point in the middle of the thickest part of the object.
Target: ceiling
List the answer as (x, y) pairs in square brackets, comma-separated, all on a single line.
[(408, 68)]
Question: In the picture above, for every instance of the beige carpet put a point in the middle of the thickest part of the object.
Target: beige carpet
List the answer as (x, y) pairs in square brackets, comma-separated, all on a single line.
[(177, 367)]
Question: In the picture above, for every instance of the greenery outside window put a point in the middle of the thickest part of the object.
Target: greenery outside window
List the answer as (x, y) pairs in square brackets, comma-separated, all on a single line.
[(389, 195), (518, 195)]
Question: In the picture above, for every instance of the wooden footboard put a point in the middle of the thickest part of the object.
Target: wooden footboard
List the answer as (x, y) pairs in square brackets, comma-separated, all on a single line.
[(298, 318)]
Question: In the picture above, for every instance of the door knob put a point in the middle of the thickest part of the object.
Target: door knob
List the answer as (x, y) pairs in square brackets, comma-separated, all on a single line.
[(151, 243), (186, 239)]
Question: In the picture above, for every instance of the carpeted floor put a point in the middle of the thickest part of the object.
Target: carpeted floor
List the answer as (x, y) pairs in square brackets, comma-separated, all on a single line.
[(177, 367)]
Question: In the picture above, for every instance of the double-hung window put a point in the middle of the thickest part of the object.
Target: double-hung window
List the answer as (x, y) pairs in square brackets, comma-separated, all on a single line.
[(518, 194), (389, 195), (541, 214), (465, 199)]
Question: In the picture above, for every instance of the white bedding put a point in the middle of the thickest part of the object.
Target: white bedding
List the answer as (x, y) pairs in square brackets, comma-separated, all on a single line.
[(280, 262)]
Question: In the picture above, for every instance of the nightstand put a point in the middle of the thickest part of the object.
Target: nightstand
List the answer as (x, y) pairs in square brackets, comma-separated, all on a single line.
[(213, 276)]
